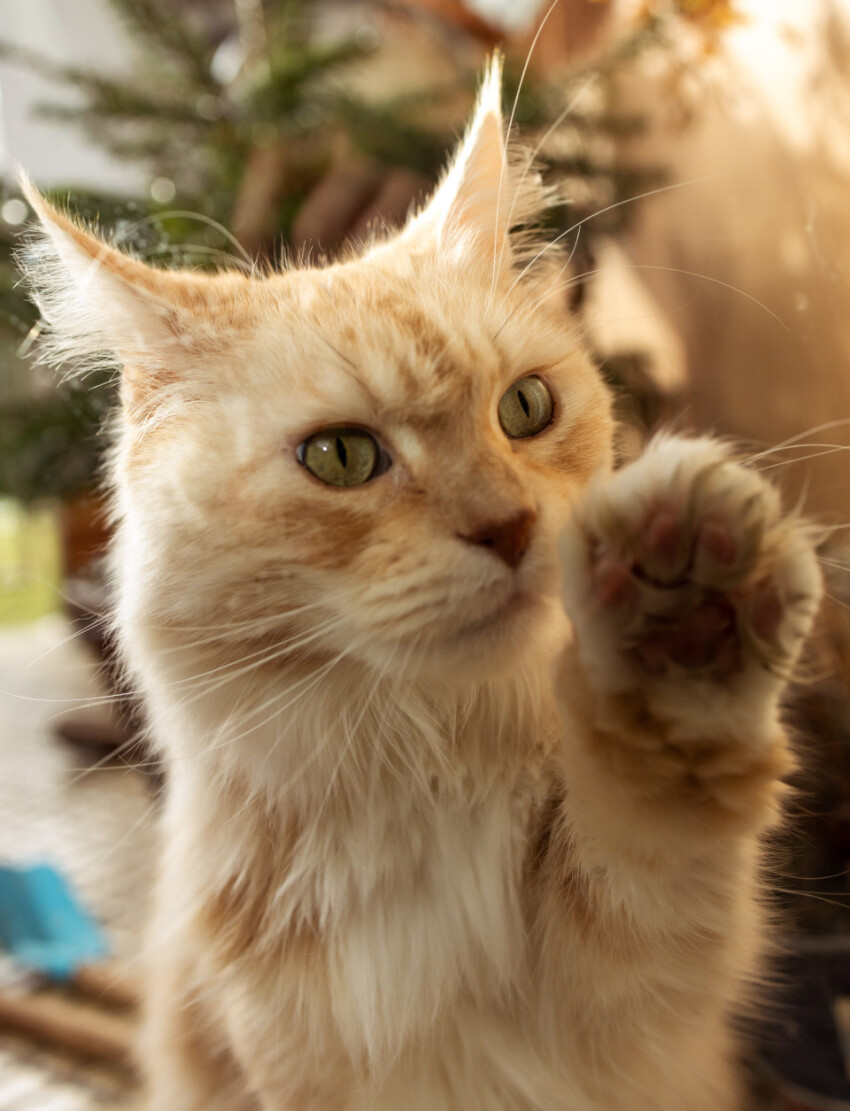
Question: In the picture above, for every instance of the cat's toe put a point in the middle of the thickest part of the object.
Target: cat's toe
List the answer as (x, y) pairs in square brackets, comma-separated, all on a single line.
[(682, 565), (701, 640), (664, 546)]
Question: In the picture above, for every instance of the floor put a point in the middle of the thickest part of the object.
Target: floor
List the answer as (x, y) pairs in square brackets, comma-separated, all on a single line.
[(93, 823)]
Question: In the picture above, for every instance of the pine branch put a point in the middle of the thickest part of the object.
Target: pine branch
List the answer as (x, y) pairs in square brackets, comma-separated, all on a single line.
[(169, 34), (117, 104), (291, 75), (105, 95), (380, 132), (49, 446), (43, 66)]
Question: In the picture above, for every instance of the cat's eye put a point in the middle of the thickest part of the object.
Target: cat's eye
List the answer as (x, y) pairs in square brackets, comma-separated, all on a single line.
[(525, 408), (343, 456)]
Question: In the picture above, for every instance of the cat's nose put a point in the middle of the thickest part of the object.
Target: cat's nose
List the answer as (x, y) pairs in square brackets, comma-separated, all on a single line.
[(507, 538)]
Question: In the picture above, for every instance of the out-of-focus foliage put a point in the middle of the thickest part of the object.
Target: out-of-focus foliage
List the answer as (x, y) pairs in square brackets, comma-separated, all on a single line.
[(238, 121)]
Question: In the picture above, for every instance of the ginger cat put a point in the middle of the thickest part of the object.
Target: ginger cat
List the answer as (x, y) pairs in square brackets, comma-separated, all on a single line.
[(429, 844)]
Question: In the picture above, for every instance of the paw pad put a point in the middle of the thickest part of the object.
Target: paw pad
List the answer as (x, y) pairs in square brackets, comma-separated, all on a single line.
[(692, 568)]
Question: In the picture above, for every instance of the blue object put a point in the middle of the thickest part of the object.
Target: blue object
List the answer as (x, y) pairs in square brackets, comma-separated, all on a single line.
[(43, 925)]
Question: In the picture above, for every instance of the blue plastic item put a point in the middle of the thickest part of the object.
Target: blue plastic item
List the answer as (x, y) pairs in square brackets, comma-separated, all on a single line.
[(43, 925)]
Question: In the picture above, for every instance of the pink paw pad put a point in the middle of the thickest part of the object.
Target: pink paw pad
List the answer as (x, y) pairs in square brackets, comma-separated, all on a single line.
[(690, 576), (663, 549), (612, 580), (664, 537), (703, 638), (715, 540)]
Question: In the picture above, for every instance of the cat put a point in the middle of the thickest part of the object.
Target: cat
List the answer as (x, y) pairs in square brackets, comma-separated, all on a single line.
[(429, 843)]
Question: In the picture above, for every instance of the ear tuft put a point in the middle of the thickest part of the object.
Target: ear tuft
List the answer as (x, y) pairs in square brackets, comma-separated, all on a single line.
[(102, 307), (485, 192), (489, 100)]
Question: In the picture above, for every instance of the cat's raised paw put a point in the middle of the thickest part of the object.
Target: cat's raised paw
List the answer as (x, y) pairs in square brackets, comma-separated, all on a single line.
[(682, 565)]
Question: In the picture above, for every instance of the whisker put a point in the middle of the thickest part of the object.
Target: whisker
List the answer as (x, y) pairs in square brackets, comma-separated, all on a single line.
[(267, 626), (265, 619), (75, 635), (498, 256), (185, 214), (837, 565), (263, 654), (91, 700), (103, 763), (529, 162), (812, 895), (314, 755), (351, 733), (303, 686), (132, 693), (549, 291), (720, 282), (205, 690), (826, 427), (805, 458), (528, 57), (601, 212)]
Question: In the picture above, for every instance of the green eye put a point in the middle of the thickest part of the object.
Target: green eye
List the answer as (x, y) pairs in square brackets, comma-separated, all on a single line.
[(342, 456), (525, 408)]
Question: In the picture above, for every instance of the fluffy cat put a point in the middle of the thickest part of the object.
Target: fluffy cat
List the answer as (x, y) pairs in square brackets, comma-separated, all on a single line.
[(428, 845)]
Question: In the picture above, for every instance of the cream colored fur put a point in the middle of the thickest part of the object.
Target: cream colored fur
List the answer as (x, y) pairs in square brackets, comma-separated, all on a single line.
[(427, 846)]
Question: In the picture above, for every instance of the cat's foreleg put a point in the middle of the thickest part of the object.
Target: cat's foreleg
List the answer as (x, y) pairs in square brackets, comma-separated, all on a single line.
[(185, 1057), (690, 596)]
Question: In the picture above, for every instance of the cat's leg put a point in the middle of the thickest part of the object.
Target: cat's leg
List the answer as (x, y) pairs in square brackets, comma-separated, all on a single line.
[(286, 1045), (690, 596), (186, 1061)]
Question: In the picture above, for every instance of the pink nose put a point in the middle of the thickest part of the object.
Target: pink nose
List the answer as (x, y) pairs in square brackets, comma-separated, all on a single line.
[(508, 539)]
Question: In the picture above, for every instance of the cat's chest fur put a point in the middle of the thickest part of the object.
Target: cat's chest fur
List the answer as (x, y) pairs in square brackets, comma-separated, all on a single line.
[(384, 898)]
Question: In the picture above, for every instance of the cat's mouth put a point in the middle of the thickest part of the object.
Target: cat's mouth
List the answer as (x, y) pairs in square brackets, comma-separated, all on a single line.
[(518, 603)]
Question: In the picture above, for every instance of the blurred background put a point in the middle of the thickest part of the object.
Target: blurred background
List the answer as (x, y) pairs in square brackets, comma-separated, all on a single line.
[(702, 148)]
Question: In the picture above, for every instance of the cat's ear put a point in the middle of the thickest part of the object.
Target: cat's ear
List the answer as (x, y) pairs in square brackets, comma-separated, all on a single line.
[(482, 195), (102, 306)]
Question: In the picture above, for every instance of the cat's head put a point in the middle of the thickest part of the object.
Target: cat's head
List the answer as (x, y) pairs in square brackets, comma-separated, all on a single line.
[(373, 457)]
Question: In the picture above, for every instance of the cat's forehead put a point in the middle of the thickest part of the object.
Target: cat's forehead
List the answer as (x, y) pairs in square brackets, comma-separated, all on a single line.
[(406, 346)]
